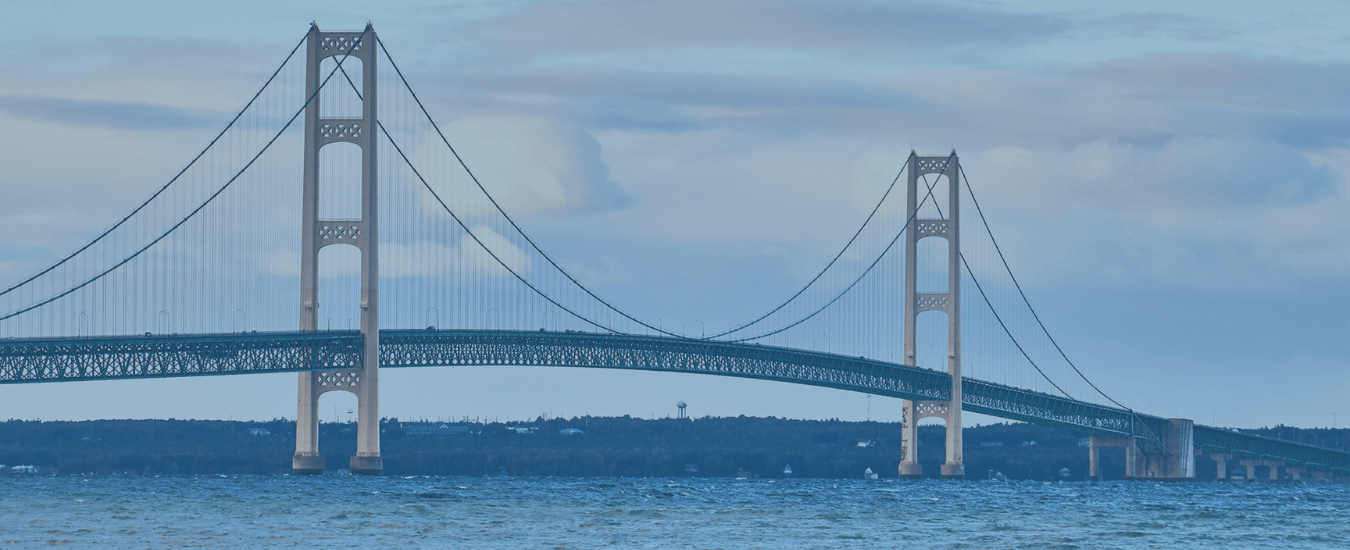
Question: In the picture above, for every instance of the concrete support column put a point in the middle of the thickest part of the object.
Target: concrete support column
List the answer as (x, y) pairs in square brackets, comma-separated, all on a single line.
[(1096, 442), (1152, 465), (367, 459), (1274, 466), (1294, 472), (1251, 465), (1320, 476), (909, 442), (1133, 468), (307, 459), (1094, 461), (1221, 465), (955, 467), (1179, 449)]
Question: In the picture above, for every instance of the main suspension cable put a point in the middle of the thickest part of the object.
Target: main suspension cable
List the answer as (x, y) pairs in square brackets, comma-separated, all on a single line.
[(991, 304), (499, 207), (456, 217), (171, 181), (827, 266), (203, 205), (569, 276), (475, 238), (1006, 330), (1025, 300), (873, 265)]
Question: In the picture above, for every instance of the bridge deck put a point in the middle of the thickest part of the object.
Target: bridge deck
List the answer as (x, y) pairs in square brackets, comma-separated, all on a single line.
[(159, 356)]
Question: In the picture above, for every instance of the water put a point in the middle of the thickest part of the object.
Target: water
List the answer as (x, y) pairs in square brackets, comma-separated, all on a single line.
[(123, 511)]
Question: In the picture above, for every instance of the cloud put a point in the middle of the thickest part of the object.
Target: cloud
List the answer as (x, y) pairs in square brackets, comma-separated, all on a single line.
[(1206, 214), (531, 165), (1293, 103), (1151, 99), (627, 26), (1186, 174), (1152, 25), (198, 75), (113, 115)]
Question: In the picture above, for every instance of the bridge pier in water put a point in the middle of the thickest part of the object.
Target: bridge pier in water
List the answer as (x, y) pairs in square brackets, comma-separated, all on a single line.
[(1221, 465), (1175, 460), (361, 233), (1272, 468), (948, 301)]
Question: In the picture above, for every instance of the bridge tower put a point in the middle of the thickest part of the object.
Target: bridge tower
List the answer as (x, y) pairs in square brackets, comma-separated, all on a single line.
[(361, 233), (948, 302)]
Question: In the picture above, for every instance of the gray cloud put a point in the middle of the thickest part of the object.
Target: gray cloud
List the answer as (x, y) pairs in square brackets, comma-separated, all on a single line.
[(628, 26), (113, 115), (1304, 105), (684, 102), (1152, 24)]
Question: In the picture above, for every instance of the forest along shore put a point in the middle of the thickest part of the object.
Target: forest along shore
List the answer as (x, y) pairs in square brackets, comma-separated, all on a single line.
[(575, 447)]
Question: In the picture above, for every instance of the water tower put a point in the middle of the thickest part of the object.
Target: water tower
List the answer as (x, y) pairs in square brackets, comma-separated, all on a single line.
[(681, 405)]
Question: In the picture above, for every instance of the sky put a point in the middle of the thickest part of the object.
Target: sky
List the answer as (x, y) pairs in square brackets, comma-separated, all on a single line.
[(1168, 180)]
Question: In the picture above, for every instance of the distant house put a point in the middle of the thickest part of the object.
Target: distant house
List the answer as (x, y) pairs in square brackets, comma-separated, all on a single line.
[(570, 431), (436, 429), (528, 430), (258, 431), (26, 469), (992, 444), (867, 442)]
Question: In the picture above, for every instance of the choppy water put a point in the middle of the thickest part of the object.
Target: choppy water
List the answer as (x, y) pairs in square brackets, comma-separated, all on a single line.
[(121, 511)]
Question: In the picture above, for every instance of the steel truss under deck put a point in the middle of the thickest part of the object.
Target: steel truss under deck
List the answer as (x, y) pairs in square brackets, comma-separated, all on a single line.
[(161, 356)]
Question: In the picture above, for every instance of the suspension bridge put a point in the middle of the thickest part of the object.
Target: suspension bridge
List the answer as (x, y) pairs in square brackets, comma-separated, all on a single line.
[(200, 279)]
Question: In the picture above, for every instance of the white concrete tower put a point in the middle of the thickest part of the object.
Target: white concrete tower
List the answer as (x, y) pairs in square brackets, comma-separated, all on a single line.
[(948, 302), (361, 233)]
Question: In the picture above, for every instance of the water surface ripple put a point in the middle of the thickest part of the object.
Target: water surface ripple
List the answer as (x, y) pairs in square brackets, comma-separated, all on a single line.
[(124, 511)]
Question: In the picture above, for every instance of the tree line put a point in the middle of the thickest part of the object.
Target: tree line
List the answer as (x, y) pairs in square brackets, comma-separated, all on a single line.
[(605, 446)]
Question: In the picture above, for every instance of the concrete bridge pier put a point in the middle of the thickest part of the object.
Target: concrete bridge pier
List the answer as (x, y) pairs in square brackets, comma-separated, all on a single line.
[(913, 412), (1295, 473), (307, 459), (1175, 462), (1274, 466), (909, 442), (1132, 454), (1221, 465), (1320, 476), (1251, 465), (1151, 466), (1178, 459)]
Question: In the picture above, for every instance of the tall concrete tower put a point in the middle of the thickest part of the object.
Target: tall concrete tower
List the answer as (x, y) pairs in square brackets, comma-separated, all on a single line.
[(948, 302), (361, 233)]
